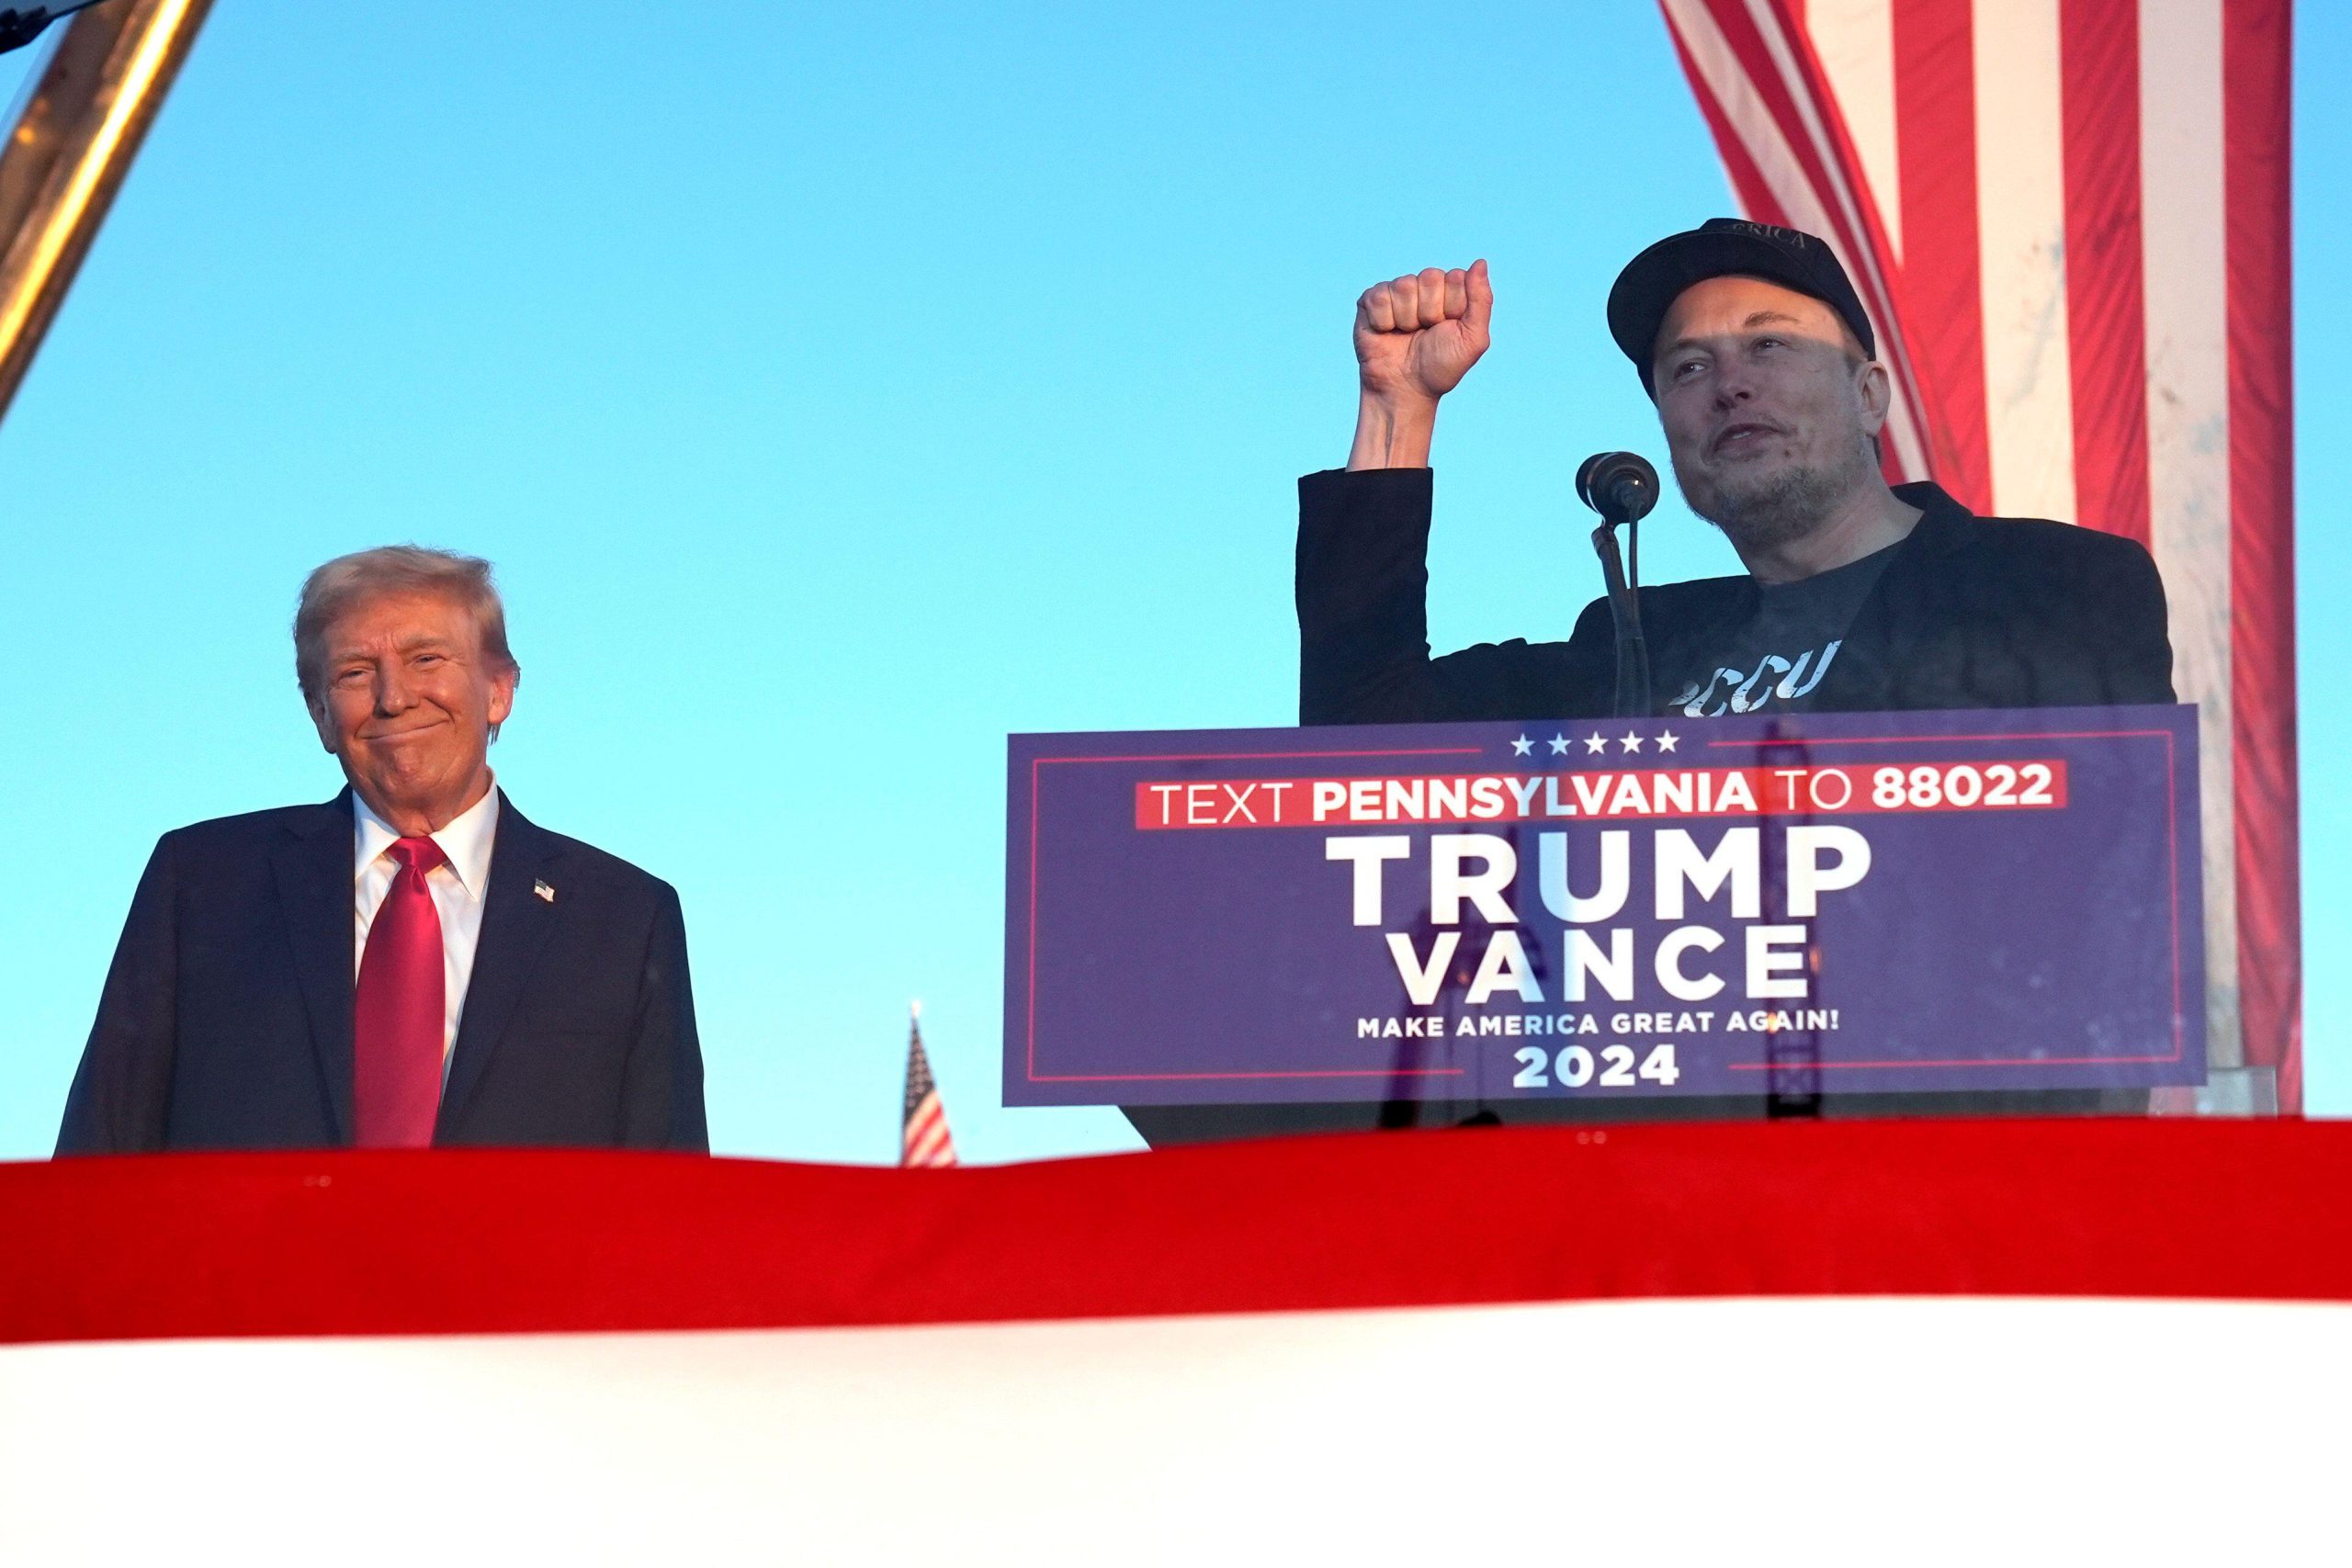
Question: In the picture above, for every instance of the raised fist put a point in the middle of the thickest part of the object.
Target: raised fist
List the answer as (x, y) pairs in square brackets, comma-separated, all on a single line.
[(1418, 336)]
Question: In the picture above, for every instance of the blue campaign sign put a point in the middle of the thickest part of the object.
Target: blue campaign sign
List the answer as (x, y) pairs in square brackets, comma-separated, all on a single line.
[(1886, 902)]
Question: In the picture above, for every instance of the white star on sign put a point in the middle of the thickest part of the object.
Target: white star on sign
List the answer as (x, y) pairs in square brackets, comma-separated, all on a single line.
[(1521, 747), (1593, 742), (1632, 742), (1666, 740), (1559, 745)]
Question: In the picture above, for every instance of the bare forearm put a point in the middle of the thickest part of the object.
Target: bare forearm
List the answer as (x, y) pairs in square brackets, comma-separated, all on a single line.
[(1393, 432)]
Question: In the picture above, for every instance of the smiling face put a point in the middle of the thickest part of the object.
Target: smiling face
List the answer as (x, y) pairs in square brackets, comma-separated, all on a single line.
[(407, 698), (1768, 407)]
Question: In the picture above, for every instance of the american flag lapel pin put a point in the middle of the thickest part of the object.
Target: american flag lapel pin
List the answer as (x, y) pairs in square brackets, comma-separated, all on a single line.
[(545, 894)]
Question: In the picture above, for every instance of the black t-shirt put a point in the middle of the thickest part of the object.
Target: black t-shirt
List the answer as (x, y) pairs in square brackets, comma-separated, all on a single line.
[(1780, 654)]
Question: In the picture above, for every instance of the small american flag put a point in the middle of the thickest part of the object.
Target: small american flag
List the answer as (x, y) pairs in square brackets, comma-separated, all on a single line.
[(924, 1138)]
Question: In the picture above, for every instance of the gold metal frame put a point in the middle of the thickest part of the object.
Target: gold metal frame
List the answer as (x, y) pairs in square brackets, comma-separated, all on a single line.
[(67, 155)]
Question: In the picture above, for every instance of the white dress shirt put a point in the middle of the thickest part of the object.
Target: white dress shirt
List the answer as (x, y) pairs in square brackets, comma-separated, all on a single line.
[(457, 889)]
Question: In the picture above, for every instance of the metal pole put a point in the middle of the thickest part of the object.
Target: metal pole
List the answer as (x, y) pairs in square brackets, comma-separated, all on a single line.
[(67, 155)]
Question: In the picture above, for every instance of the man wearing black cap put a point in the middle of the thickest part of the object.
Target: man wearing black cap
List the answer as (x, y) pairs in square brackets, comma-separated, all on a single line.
[(1857, 596), (1752, 343)]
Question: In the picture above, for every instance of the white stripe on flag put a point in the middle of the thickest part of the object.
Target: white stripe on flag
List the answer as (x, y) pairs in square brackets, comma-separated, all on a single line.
[(1855, 40), (2022, 224), (2185, 239)]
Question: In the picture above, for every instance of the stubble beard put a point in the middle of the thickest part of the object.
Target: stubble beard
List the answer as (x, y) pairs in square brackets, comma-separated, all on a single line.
[(1765, 511)]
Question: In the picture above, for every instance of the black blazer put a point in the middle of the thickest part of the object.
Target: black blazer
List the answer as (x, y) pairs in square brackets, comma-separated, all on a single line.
[(1970, 613), (226, 1020)]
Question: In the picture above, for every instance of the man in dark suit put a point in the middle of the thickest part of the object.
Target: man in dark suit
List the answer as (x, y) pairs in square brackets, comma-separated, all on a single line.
[(411, 963), (1857, 596)]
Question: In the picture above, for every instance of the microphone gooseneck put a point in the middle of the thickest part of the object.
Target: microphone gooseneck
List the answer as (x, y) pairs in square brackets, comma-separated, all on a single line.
[(1622, 487)]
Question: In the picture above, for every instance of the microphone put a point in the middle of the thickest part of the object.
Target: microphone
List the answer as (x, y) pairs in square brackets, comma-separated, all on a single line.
[(1622, 487)]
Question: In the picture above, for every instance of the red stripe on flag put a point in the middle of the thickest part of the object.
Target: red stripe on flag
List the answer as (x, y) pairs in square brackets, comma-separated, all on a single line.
[(2256, 85), (2098, 52), (1935, 99)]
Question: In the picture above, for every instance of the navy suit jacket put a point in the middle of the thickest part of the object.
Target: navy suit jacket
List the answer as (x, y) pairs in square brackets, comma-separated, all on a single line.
[(226, 1022)]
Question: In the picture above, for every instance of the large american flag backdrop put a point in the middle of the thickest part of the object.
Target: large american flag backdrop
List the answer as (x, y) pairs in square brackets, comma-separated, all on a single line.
[(2069, 221)]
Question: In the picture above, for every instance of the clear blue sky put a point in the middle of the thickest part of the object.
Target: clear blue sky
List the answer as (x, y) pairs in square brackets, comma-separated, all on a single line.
[(837, 394)]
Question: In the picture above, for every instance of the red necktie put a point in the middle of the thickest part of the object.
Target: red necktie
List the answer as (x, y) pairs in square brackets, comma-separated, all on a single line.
[(396, 1024)]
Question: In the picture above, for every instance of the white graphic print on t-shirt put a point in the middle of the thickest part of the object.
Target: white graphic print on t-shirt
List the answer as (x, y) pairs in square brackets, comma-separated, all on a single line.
[(1774, 678)]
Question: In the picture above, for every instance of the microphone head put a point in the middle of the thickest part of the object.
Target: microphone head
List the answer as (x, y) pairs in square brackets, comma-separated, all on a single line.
[(1621, 486)]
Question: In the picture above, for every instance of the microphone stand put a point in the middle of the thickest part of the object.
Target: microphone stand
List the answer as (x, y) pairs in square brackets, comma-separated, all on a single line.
[(1625, 610)]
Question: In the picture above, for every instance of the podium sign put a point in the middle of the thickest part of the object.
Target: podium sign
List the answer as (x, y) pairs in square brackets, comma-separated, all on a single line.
[(1852, 902)]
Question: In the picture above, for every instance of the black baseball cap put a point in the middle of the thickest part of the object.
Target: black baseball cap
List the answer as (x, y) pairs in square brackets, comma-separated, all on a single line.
[(1720, 247)]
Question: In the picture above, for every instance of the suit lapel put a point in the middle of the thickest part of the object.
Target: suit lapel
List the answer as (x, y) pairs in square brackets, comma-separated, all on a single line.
[(1885, 666), (314, 874), (514, 925), (1864, 677)]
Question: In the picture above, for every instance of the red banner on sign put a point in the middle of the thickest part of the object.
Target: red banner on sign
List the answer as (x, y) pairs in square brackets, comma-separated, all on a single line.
[(2038, 784)]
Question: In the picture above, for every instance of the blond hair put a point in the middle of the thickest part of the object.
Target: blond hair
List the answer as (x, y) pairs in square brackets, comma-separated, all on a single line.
[(351, 580)]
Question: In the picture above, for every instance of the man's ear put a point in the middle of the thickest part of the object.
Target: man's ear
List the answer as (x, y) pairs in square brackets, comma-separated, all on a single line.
[(318, 710), (502, 695), (1875, 389)]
